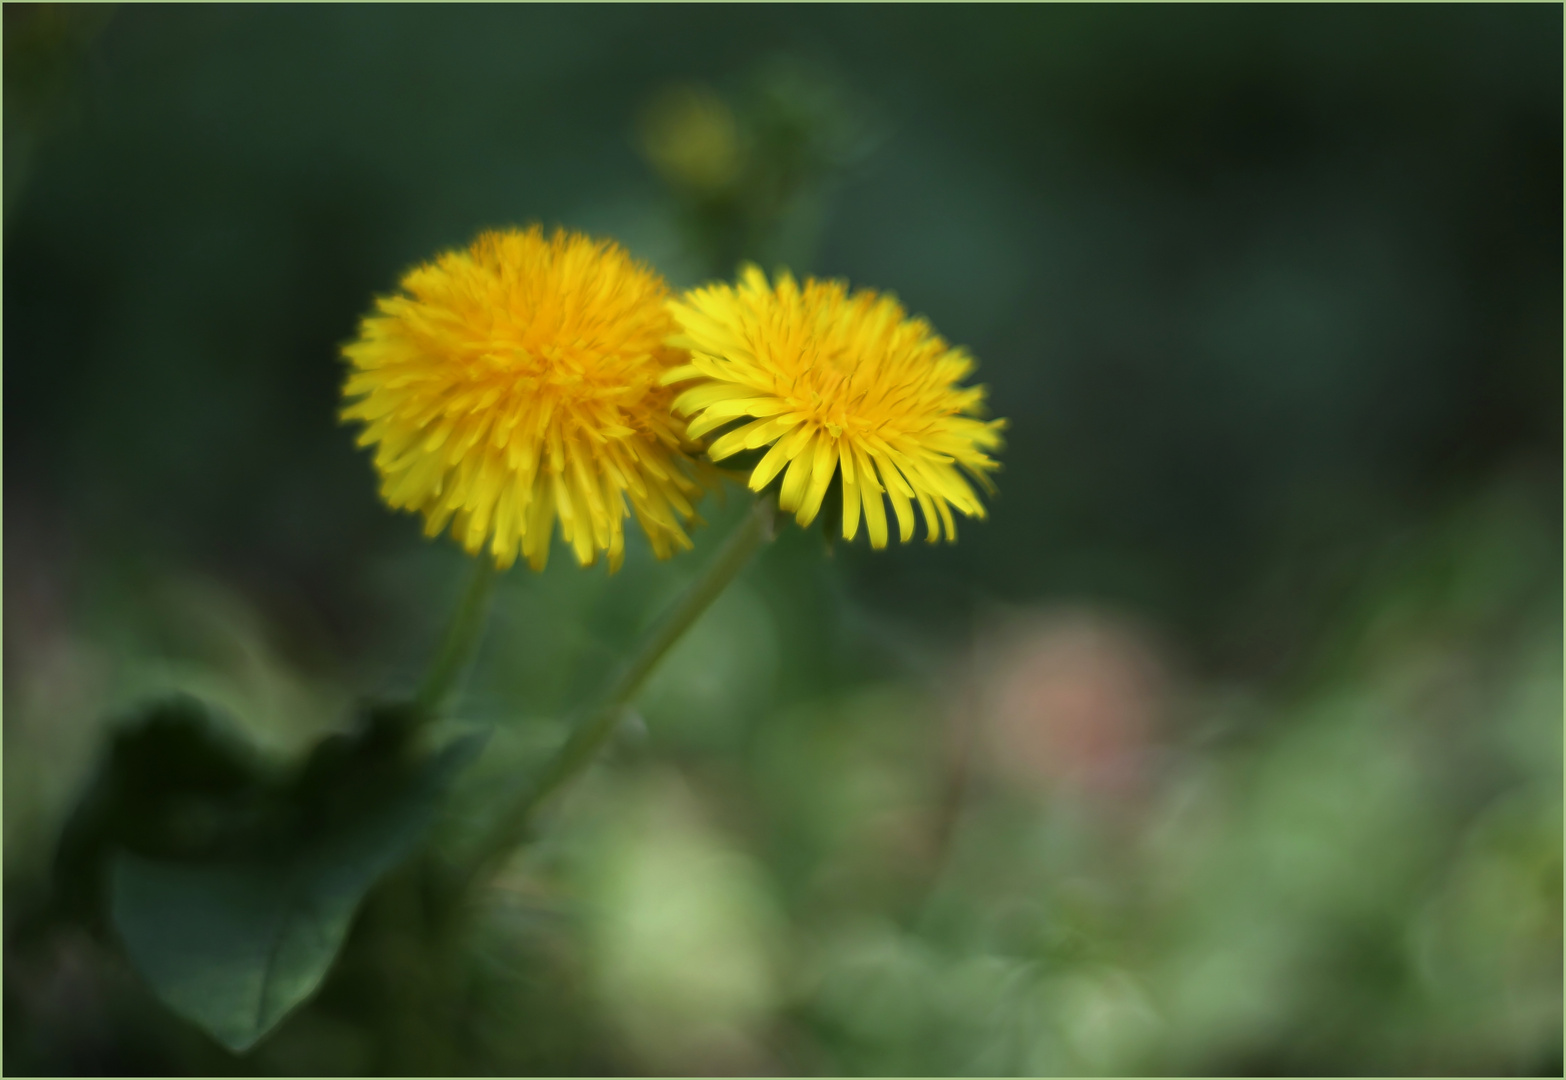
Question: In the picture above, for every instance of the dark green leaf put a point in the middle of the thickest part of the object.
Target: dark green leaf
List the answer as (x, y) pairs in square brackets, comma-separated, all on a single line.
[(235, 945), (175, 782)]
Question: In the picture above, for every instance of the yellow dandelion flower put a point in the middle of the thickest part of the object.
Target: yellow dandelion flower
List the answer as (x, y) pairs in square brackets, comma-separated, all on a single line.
[(837, 385), (518, 382)]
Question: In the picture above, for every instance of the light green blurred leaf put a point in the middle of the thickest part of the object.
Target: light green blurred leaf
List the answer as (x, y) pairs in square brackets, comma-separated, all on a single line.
[(235, 946)]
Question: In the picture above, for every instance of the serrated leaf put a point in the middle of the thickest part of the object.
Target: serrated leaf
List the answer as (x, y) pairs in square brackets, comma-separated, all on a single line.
[(234, 946)]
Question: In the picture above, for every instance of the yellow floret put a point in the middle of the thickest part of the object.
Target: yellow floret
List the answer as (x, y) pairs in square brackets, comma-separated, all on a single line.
[(835, 384), (519, 382)]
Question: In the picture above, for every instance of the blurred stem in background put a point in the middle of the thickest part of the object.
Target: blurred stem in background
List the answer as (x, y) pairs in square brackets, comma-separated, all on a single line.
[(750, 173), (461, 637), (46, 59), (510, 829)]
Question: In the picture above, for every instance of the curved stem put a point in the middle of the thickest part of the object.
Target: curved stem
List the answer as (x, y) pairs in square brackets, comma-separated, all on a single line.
[(599, 723), (456, 647)]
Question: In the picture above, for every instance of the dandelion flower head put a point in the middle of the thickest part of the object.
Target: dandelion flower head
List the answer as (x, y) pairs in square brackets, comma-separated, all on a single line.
[(519, 382), (836, 384)]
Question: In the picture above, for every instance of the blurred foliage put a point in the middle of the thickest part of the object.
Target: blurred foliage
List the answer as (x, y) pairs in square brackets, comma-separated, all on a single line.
[(751, 182), (1231, 744), (48, 47), (232, 881)]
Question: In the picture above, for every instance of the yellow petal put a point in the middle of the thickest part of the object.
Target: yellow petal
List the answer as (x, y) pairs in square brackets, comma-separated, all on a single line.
[(796, 479), (870, 498), (850, 494), (822, 468)]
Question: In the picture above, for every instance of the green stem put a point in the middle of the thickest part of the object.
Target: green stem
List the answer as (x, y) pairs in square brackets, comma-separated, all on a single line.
[(591, 732), (456, 647)]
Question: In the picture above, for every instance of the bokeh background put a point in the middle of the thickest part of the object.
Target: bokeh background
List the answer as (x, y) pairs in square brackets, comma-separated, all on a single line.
[(1230, 743)]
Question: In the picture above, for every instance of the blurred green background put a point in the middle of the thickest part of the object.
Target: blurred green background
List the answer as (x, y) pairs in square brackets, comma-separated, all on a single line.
[(1229, 744)]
